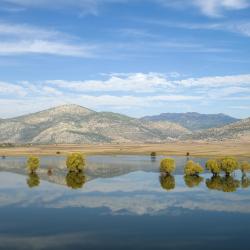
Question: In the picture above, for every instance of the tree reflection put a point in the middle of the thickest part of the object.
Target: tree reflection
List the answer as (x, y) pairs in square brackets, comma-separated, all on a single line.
[(33, 180), (193, 180), (75, 180), (224, 184), (167, 181), (245, 182)]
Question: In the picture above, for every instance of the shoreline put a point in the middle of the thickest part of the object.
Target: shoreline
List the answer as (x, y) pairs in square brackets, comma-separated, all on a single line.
[(215, 149)]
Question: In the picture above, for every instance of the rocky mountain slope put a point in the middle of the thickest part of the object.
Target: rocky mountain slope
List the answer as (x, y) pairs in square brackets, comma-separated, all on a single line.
[(237, 131), (76, 124), (194, 121)]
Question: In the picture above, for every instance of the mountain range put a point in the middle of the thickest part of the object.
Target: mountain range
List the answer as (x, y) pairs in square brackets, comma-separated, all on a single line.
[(76, 124)]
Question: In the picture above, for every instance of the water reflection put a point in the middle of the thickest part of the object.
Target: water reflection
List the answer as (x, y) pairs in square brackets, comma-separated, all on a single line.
[(75, 180), (245, 181), (193, 180), (225, 184), (167, 181), (33, 180)]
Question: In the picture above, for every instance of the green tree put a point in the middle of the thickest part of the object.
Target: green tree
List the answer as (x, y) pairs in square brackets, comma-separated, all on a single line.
[(33, 180), (193, 168), (75, 180), (75, 162), (213, 166), (33, 163), (167, 166), (167, 182), (245, 167), (228, 165), (192, 180)]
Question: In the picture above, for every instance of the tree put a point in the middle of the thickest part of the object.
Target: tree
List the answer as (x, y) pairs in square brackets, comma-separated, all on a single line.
[(167, 181), (193, 168), (33, 180), (33, 164), (228, 165), (75, 162), (167, 166), (75, 180), (245, 167), (192, 180), (213, 166)]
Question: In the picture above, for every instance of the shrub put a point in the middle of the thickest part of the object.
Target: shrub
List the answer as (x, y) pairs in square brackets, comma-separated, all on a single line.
[(33, 180), (192, 180), (167, 182), (228, 165), (75, 180), (213, 166), (167, 166), (33, 164), (245, 167), (193, 168), (75, 162)]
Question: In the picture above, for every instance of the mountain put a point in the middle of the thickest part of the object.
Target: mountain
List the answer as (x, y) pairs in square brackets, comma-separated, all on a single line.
[(237, 131), (76, 124), (194, 121)]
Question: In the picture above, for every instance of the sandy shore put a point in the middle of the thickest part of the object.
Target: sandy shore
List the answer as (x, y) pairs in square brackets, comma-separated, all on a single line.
[(176, 148)]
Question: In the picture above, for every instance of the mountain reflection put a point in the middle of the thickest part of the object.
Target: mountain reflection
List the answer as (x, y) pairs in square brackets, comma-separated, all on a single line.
[(33, 180), (75, 180), (167, 182), (192, 181), (224, 184)]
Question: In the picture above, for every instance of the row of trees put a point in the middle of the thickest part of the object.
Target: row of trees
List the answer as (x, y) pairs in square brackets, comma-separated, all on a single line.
[(227, 165)]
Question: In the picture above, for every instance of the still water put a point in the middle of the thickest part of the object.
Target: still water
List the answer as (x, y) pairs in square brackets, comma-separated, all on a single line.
[(120, 202)]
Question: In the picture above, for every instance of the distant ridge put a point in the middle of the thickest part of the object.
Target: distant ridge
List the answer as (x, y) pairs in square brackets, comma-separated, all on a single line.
[(194, 121)]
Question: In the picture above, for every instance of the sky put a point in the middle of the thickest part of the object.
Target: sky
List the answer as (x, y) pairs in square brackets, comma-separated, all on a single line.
[(135, 57)]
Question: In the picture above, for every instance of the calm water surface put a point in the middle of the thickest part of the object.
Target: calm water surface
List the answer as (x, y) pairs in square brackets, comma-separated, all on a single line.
[(120, 202)]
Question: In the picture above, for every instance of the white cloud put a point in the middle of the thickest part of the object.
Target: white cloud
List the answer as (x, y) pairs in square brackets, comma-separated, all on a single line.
[(44, 47), (9, 88)]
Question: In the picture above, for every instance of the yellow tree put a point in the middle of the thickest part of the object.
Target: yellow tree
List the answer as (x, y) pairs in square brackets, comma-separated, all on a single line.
[(245, 167), (228, 165), (33, 180), (167, 166), (193, 168), (75, 180), (33, 163), (193, 180), (75, 162), (213, 166)]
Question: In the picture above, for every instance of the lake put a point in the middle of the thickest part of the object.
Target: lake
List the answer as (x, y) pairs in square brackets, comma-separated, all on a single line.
[(120, 202)]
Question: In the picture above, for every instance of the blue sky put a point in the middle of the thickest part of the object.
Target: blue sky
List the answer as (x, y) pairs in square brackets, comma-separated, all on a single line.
[(136, 57)]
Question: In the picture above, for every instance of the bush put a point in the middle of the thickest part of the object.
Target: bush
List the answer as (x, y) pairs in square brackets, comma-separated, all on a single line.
[(167, 182), (193, 168), (192, 180), (33, 163), (33, 180), (75, 162), (228, 165), (167, 166), (75, 180), (245, 167), (153, 154), (213, 166)]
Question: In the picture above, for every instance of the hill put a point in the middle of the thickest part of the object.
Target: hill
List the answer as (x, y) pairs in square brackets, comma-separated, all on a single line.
[(194, 121), (76, 124), (237, 131)]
